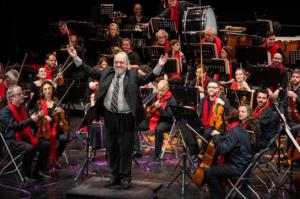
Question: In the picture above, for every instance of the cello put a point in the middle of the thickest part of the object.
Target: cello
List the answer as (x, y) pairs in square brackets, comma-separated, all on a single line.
[(216, 123)]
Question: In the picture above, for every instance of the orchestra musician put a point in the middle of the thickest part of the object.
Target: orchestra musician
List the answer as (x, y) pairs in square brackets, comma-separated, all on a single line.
[(52, 124), (119, 101), (15, 123), (50, 66), (161, 39), (268, 119), (197, 82), (138, 16), (160, 116), (210, 36), (227, 54), (250, 124), (113, 39), (271, 46), (240, 81), (134, 59), (236, 148), (174, 51), (10, 78)]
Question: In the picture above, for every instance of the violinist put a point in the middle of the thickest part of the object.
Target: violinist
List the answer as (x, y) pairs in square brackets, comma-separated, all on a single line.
[(240, 81), (250, 124), (160, 116), (51, 129), (50, 66), (236, 148), (15, 123), (268, 119)]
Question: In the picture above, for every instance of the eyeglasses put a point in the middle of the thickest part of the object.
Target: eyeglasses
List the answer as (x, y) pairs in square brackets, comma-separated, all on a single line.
[(212, 87)]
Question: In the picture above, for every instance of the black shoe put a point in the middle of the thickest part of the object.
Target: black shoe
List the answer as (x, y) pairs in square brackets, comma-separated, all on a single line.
[(125, 184), (40, 176), (136, 154), (112, 181)]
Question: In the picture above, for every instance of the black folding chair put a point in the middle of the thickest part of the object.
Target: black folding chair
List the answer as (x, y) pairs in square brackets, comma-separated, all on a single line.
[(247, 176)]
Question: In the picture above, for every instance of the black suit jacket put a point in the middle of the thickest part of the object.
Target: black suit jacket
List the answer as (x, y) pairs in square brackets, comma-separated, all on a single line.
[(132, 83)]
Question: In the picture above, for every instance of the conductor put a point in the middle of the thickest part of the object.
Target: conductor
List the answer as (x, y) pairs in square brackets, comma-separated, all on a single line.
[(119, 101)]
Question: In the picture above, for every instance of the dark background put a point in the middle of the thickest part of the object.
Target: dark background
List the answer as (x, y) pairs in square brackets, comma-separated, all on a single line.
[(23, 22)]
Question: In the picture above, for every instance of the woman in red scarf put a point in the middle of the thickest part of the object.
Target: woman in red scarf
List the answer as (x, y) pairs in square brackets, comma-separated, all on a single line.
[(240, 81), (175, 52), (55, 133)]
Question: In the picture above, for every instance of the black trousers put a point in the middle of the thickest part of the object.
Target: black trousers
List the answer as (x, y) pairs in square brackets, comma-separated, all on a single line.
[(119, 132), (214, 173), (161, 128), (97, 138), (28, 151), (62, 143)]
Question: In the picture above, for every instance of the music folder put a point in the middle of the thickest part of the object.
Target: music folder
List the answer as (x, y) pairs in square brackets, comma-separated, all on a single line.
[(238, 97)]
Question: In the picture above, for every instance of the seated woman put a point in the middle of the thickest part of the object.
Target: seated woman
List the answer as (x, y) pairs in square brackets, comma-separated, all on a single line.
[(175, 52), (53, 126), (240, 81), (113, 39), (226, 54), (249, 123)]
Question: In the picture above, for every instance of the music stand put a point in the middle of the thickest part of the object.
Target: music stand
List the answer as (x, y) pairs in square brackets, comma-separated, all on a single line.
[(191, 117), (209, 50), (294, 57), (185, 96), (216, 66), (84, 168), (159, 23), (236, 97), (259, 76), (251, 54), (153, 52), (103, 13)]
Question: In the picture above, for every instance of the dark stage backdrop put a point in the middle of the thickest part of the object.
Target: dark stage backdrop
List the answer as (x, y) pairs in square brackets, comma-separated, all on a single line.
[(23, 22)]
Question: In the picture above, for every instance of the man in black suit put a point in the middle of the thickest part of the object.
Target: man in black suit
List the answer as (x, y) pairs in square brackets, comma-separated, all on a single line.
[(119, 101)]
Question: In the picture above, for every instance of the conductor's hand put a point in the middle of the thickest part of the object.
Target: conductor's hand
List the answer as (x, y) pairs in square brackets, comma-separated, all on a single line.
[(162, 60), (71, 50)]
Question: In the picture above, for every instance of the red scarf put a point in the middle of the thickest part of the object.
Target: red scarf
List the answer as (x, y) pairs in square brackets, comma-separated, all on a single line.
[(205, 116), (174, 14), (156, 116), (2, 90), (166, 45), (178, 57), (95, 90), (258, 111), (272, 50), (218, 43), (21, 116), (49, 72), (234, 86), (280, 67), (53, 141)]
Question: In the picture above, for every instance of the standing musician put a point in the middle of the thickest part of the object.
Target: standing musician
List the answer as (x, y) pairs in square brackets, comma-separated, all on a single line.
[(119, 101), (270, 44), (160, 116), (15, 124), (52, 126), (240, 81), (236, 148), (268, 119), (210, 36)]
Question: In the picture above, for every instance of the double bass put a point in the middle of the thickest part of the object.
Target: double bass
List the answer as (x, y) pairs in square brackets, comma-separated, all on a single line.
[(216, 123)]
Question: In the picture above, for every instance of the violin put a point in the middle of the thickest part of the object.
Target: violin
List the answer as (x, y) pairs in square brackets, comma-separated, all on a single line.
[(59, 118), (43, 131), (216, 123)]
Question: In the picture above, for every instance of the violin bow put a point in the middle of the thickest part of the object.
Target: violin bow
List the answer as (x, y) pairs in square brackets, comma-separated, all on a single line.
[(62, 98), (21, 69)]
